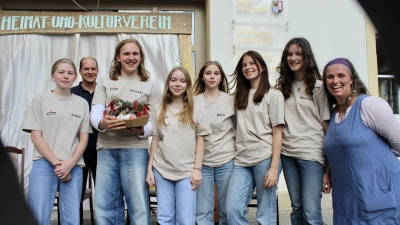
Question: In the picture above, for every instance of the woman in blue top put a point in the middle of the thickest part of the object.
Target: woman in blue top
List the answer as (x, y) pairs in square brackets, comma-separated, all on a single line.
[(361, 144)]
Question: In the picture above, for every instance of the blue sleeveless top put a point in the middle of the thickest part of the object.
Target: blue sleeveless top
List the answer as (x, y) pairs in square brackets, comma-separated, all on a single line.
[(364, 171)]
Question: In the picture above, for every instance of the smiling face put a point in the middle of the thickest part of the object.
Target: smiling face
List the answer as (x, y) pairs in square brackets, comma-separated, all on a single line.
[(178, 84), (89, 70), (339, 81), (250, 70), (130, 58), (212, 77), (295, 58), (64, 76)]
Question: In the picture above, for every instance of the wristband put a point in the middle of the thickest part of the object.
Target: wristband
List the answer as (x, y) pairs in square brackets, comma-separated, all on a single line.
[(197, 169)]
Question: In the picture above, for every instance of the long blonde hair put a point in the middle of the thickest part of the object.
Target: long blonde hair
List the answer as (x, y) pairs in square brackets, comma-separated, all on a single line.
[(186, 114), (115, 68)]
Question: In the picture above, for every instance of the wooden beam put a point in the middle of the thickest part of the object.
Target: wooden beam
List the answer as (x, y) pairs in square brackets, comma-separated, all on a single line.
[(185, 48)]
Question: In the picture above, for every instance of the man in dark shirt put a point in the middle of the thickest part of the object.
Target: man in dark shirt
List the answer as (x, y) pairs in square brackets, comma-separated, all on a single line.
[(88, 69)]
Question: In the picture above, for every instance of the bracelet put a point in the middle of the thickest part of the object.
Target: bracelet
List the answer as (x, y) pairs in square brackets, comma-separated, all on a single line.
[(197, 169)]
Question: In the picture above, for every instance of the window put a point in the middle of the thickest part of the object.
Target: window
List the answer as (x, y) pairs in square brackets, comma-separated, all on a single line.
[(388, 90), (387, 85)]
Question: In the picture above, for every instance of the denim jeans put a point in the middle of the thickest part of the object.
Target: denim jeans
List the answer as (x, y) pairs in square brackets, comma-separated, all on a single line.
[(240, 190), (205, 193), (304, 182), (122, 173), (176, 201), (43, 185)]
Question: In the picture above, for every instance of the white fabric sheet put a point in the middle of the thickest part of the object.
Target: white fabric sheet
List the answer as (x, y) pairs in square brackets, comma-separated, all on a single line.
[(25, 67)]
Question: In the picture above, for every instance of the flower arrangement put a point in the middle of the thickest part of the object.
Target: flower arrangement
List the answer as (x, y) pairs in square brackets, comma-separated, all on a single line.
[(126, 109)]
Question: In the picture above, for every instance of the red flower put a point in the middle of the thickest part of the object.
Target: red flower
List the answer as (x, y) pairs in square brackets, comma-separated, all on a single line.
[(145, 112), (111, 105)]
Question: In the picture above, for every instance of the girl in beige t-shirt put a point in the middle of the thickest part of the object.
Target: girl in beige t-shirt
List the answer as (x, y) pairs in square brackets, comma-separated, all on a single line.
[(59, 125), (260, 119), (176, 150), (211, 89), (307, 116)]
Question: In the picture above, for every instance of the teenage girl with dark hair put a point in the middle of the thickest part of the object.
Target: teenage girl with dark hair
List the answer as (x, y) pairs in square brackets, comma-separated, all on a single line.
[(260, 119), (306, 116)]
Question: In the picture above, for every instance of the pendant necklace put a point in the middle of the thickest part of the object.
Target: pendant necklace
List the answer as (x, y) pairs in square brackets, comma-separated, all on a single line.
[(298, 88)]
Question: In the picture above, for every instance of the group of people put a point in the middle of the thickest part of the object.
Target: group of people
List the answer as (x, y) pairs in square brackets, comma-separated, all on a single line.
[(322, 131)]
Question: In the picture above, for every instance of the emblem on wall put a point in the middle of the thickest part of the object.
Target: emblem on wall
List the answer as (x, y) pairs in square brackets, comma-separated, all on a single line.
[(277, 6)]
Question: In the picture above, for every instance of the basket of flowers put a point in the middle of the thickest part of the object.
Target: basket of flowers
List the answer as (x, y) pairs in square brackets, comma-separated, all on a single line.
[(135, 114)]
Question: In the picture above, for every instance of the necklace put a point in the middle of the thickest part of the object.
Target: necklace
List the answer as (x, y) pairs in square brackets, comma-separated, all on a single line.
[(298, 88), (211, 97)]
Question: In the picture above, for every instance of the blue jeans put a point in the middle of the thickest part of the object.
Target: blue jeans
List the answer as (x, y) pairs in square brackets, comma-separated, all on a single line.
[(122, 173), (43, 185), (205, 193), (304, 182), (240, 191), (176, 201)]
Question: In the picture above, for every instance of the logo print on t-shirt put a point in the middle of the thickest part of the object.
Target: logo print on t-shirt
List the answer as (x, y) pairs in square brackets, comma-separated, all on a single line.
[(308, 98), (113, 88), (220, 114), (78, 116), (140, 92), (51, 113)]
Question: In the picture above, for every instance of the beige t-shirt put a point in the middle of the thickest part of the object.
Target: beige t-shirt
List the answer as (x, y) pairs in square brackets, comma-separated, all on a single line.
[(303, 134), (254, 127), (175, 156), (219, 147), (61, 121), (128, 89)]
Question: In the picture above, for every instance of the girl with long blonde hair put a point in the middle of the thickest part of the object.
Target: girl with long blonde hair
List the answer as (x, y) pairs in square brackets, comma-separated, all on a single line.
[(176, 150)]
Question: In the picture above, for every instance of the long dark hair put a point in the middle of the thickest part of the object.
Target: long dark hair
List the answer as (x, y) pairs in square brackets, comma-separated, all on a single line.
[(243, 85), (357, 85), (311, 72), (199, 86)]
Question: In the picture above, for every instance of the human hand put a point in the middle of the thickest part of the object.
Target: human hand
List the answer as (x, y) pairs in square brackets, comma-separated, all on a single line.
[(136, 130), (326, 184), (150, 178), (271, 178), (112, 123), (62, 169), (67, 178), (195, 179)]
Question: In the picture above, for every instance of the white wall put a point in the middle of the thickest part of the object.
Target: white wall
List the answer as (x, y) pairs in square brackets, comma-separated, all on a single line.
[(335, 28)]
